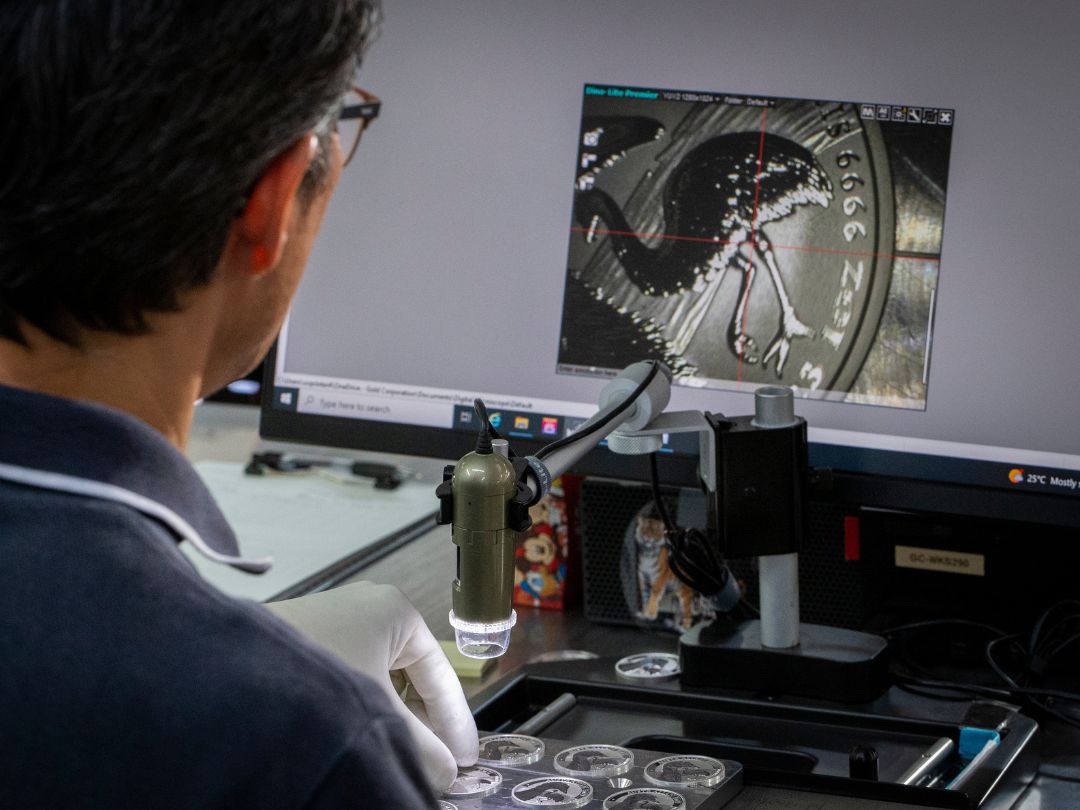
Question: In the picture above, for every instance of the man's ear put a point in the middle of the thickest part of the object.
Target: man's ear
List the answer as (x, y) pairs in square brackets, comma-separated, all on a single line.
[(263, 225)]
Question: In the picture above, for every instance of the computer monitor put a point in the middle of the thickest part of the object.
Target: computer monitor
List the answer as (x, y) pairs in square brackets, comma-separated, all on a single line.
[(872, 203)]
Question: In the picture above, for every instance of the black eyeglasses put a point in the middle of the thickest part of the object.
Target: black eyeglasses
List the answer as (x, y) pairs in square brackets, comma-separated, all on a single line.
[(359, 109)]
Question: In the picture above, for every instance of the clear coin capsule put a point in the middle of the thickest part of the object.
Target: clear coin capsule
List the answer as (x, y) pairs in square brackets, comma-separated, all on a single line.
[(685, 770), (553, 791), (655, 666), (594, 761), (474, 782), (653, 798), (510, 750)]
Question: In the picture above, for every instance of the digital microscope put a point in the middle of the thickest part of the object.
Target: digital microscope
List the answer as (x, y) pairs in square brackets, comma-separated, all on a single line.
[(754, 471)]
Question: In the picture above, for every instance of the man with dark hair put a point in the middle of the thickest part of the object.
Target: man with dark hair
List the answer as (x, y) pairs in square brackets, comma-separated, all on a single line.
[(166, 167)]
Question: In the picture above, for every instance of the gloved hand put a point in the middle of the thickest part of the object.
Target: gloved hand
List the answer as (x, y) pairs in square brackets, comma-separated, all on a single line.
[(375, 629)]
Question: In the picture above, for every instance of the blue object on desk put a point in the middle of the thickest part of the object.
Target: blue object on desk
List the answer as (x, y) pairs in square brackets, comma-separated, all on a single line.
[(974, 740)]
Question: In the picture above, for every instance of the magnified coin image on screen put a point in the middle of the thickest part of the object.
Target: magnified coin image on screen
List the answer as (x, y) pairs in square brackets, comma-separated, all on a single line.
[(752, 240)]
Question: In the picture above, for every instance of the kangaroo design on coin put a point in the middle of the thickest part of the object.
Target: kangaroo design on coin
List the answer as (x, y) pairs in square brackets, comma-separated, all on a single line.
[(551, 791), (744, 244), (685, 770), (474, 782), (645, 799), (594, 761), (510, 749)]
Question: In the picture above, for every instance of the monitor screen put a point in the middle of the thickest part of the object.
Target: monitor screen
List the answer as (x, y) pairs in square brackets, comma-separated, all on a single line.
[(870, 203)]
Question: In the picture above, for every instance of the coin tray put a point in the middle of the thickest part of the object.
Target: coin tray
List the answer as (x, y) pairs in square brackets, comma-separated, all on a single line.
[(617, 787)]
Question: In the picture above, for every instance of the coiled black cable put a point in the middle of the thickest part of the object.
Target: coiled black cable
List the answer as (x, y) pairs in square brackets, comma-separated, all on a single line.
[(691, 556), (1020, 667)]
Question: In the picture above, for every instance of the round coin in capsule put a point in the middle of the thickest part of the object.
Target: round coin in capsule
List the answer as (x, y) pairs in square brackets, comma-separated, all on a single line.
[(594, 761), (510, 749), (553, 791), (474, 782), (685, 770), (654, 666), (654, 798)]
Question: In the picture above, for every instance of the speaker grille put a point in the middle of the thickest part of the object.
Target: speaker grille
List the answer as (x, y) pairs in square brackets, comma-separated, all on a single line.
[(831, 589)]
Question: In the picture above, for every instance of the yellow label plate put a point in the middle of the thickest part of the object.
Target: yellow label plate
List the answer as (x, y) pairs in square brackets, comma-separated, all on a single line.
[(945, 561)]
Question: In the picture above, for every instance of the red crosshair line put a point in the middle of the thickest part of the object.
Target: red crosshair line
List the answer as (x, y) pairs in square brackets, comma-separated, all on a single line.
[(709, 240), (753, 241)]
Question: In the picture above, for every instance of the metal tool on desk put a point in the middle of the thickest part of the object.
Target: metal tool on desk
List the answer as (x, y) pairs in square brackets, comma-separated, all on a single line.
[(384, 476), (547, 715), (924, 769)]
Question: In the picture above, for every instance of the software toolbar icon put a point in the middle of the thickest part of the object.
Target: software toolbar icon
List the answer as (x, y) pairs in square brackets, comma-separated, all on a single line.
[(1016, 475)]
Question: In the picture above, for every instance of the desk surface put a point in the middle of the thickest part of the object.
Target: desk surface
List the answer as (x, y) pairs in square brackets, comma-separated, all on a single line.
[(423, 570)]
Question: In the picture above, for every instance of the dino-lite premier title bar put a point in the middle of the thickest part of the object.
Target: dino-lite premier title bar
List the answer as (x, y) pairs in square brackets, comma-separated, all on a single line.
[(897, 113)]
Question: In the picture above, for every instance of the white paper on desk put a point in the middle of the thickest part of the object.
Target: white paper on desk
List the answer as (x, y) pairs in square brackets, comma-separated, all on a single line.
[(306, 522)]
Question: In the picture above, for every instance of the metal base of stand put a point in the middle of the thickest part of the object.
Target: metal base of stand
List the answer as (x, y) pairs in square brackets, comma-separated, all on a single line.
[(829, 662)]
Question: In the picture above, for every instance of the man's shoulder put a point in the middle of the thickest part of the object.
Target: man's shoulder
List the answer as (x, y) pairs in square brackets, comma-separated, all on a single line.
[(102, 574), (120, 658)]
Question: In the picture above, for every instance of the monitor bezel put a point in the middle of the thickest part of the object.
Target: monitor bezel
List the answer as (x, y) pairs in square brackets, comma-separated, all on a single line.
[(849, 489)]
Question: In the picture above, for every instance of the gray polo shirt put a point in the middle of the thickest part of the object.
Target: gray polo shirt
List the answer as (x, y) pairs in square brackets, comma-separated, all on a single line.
[(128, 681)]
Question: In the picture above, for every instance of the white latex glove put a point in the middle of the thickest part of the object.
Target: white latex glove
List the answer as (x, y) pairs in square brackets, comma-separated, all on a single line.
[(375, 629)]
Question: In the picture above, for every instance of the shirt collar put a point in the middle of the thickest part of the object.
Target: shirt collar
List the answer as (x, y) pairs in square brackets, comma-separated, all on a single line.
[(88, 441)]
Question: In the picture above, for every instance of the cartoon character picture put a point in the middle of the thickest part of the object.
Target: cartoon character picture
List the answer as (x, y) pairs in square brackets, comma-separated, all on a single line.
[(540, 572), (540, 556)]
